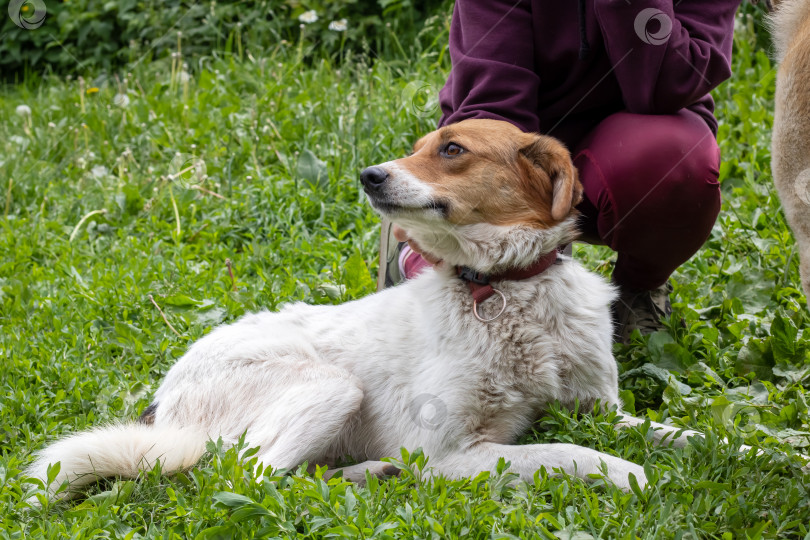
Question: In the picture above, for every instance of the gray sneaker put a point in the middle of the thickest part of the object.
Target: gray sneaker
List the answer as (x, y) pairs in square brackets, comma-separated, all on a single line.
[(642, 310)]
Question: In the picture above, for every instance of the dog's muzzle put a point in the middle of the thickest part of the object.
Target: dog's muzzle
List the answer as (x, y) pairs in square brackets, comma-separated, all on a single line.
[(373, 179)]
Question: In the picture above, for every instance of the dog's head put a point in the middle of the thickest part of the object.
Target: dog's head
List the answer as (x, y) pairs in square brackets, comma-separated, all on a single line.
[(480, 193)]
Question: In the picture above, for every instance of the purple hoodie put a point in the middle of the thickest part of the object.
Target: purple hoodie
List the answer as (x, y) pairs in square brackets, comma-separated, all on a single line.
[(559, 67)]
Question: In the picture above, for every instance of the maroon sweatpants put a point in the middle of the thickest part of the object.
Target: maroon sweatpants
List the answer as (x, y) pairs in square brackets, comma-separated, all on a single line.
[(651, 193)]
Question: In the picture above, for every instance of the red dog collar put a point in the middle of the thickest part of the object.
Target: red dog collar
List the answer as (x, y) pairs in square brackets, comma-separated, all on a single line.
[(481, 284)]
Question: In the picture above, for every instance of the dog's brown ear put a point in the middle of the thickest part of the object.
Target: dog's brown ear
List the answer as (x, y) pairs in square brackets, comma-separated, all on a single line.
[(550, 169)]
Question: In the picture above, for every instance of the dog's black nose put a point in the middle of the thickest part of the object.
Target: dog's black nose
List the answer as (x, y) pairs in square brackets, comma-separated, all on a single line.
[(373, 178)]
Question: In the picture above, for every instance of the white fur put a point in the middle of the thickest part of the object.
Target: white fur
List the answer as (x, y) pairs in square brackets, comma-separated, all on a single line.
[(407, 367), (314, 383), (404, 188), (120, 450)]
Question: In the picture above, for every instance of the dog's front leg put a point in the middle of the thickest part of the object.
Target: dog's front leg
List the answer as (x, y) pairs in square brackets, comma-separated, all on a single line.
[(662, 433), (357, 473), (677, 437), (525, 460)]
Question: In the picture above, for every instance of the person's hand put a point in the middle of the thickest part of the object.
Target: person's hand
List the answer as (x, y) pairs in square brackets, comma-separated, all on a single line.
[(402, 236)]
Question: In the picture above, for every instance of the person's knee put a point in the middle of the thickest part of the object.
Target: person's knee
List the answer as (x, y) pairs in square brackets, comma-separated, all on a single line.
[(670, 173), (650, 177)]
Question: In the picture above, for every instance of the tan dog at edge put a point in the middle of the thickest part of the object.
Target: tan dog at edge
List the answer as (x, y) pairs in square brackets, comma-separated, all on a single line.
[(790, 152)]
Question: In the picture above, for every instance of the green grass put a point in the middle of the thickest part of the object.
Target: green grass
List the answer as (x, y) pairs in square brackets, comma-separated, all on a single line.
[(280, 217)]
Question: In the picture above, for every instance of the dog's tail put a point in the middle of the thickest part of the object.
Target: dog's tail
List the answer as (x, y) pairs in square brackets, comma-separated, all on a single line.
[(118, 450)]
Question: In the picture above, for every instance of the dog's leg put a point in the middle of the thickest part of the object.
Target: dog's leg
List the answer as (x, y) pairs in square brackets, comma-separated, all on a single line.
[(302, 421), (801, 232), (662, 433), (357, 473), (525, 460)]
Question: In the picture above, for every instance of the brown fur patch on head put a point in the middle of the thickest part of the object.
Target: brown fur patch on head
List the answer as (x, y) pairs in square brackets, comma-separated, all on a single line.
[(503, 176), (547, 168)]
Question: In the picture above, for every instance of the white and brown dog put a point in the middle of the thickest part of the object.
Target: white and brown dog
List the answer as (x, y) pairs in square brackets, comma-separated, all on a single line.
[(488, 341), (790, 150)]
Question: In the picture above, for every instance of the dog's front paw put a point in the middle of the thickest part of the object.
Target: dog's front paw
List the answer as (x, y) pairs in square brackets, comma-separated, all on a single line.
[(357, 473), (620, 475)]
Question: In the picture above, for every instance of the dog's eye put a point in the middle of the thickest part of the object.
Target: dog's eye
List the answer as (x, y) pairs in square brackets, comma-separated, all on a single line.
[(452, 150)]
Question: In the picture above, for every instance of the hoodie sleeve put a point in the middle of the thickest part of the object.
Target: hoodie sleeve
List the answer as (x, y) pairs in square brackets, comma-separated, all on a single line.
[(667, 57), (493, 74)]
